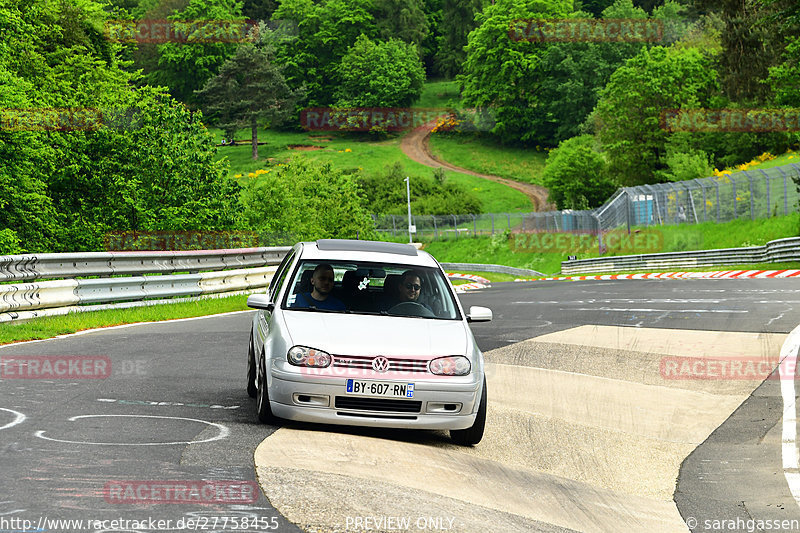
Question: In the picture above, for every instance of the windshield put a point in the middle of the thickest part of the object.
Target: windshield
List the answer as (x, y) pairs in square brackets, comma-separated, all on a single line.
[(371, 288)]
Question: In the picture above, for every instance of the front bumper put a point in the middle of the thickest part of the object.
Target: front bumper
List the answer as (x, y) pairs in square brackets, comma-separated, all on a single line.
[(443, 402)]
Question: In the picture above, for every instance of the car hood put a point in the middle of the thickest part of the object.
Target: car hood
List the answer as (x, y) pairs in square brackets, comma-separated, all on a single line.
[(352, 334)]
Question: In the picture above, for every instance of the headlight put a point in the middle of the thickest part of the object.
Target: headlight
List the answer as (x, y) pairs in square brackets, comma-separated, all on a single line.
[(455, 365), (304, 356)]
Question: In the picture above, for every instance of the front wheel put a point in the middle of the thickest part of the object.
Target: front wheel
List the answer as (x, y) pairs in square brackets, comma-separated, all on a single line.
[(252, 391), (263, 408), (472, 435)]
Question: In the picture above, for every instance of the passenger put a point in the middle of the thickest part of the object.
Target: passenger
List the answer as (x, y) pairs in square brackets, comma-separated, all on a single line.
[(320, 295)]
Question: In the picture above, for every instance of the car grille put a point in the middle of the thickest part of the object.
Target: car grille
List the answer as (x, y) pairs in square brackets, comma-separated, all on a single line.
[(361, 362), (378, 404)]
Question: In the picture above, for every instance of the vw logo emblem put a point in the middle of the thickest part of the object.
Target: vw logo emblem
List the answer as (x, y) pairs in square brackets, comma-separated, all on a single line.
[(380, 364)]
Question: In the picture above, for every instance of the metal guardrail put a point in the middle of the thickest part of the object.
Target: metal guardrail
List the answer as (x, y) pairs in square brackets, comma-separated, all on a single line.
[(781, 250), (59, 266), (209, 272)]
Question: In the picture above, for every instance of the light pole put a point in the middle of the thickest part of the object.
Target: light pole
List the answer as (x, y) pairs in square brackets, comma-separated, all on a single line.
[(408, 197)]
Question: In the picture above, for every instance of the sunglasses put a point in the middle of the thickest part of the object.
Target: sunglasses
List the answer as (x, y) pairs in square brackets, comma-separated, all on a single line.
[(414, 286)]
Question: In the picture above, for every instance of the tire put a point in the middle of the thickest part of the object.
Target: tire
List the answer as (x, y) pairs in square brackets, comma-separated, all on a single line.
[(472, 435), (252, 391), (263, 408)]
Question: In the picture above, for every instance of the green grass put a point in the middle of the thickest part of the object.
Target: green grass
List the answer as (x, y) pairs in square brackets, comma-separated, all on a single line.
[(366, 154), (733, 234), (783, 159), (494, 277), (52, 326), (484, 155), (492, 251), (706, 236), (439, 93)]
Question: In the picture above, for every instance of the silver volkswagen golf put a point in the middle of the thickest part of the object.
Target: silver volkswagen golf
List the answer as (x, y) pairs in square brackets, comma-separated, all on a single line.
[(366, 333)]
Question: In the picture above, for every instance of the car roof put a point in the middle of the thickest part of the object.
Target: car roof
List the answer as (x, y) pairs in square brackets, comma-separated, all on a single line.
[(357, 250)]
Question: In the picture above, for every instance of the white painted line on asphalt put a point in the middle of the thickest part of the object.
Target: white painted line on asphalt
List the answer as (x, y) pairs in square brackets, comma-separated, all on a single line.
[(166, 404), (19, 418), (223, 432), (654, 310), (789, 451)]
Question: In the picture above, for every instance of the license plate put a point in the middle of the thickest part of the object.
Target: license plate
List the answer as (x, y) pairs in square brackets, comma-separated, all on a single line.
[(385, 389)]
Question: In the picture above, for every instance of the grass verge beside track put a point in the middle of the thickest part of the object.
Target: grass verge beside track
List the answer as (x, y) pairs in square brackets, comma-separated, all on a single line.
[(52, 326)]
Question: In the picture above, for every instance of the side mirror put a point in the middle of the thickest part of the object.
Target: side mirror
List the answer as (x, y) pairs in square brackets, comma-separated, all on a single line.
[(260, 301), (479, 314)]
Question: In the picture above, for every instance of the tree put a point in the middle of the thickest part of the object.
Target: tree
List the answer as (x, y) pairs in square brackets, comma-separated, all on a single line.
[(503, 73), (458, 19), (379, 74), (784, 78), (749, 47), (249, 90), (325, 32), (577, 176), (259, 9), (386, 193), (629, 113), (306, 200), (572, 76), (185, 67), (401, 19), (141, 161)]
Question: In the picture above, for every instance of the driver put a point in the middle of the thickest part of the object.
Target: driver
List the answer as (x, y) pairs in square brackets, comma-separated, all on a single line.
[(410, 286)]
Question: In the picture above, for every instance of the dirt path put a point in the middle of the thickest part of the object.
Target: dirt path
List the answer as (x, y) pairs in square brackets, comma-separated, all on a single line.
[(415, 146)]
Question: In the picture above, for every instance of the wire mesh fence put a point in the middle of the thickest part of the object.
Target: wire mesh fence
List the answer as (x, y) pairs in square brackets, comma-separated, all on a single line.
[(746, 194)]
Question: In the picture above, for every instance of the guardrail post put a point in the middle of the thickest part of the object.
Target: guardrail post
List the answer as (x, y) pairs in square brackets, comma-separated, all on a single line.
[(735, 213)]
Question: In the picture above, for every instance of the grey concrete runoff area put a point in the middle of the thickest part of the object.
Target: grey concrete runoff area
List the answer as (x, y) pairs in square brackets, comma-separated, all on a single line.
[(587, 432), (650, 406)]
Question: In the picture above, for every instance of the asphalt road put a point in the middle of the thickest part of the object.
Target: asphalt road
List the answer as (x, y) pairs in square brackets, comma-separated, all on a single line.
[(530, 309), (173, 406)]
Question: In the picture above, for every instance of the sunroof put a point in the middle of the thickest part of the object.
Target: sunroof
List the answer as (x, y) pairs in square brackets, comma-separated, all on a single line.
[(365, 246)]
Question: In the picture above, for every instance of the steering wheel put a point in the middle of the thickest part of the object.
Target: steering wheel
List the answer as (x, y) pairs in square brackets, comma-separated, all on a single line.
[(411, 309)]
